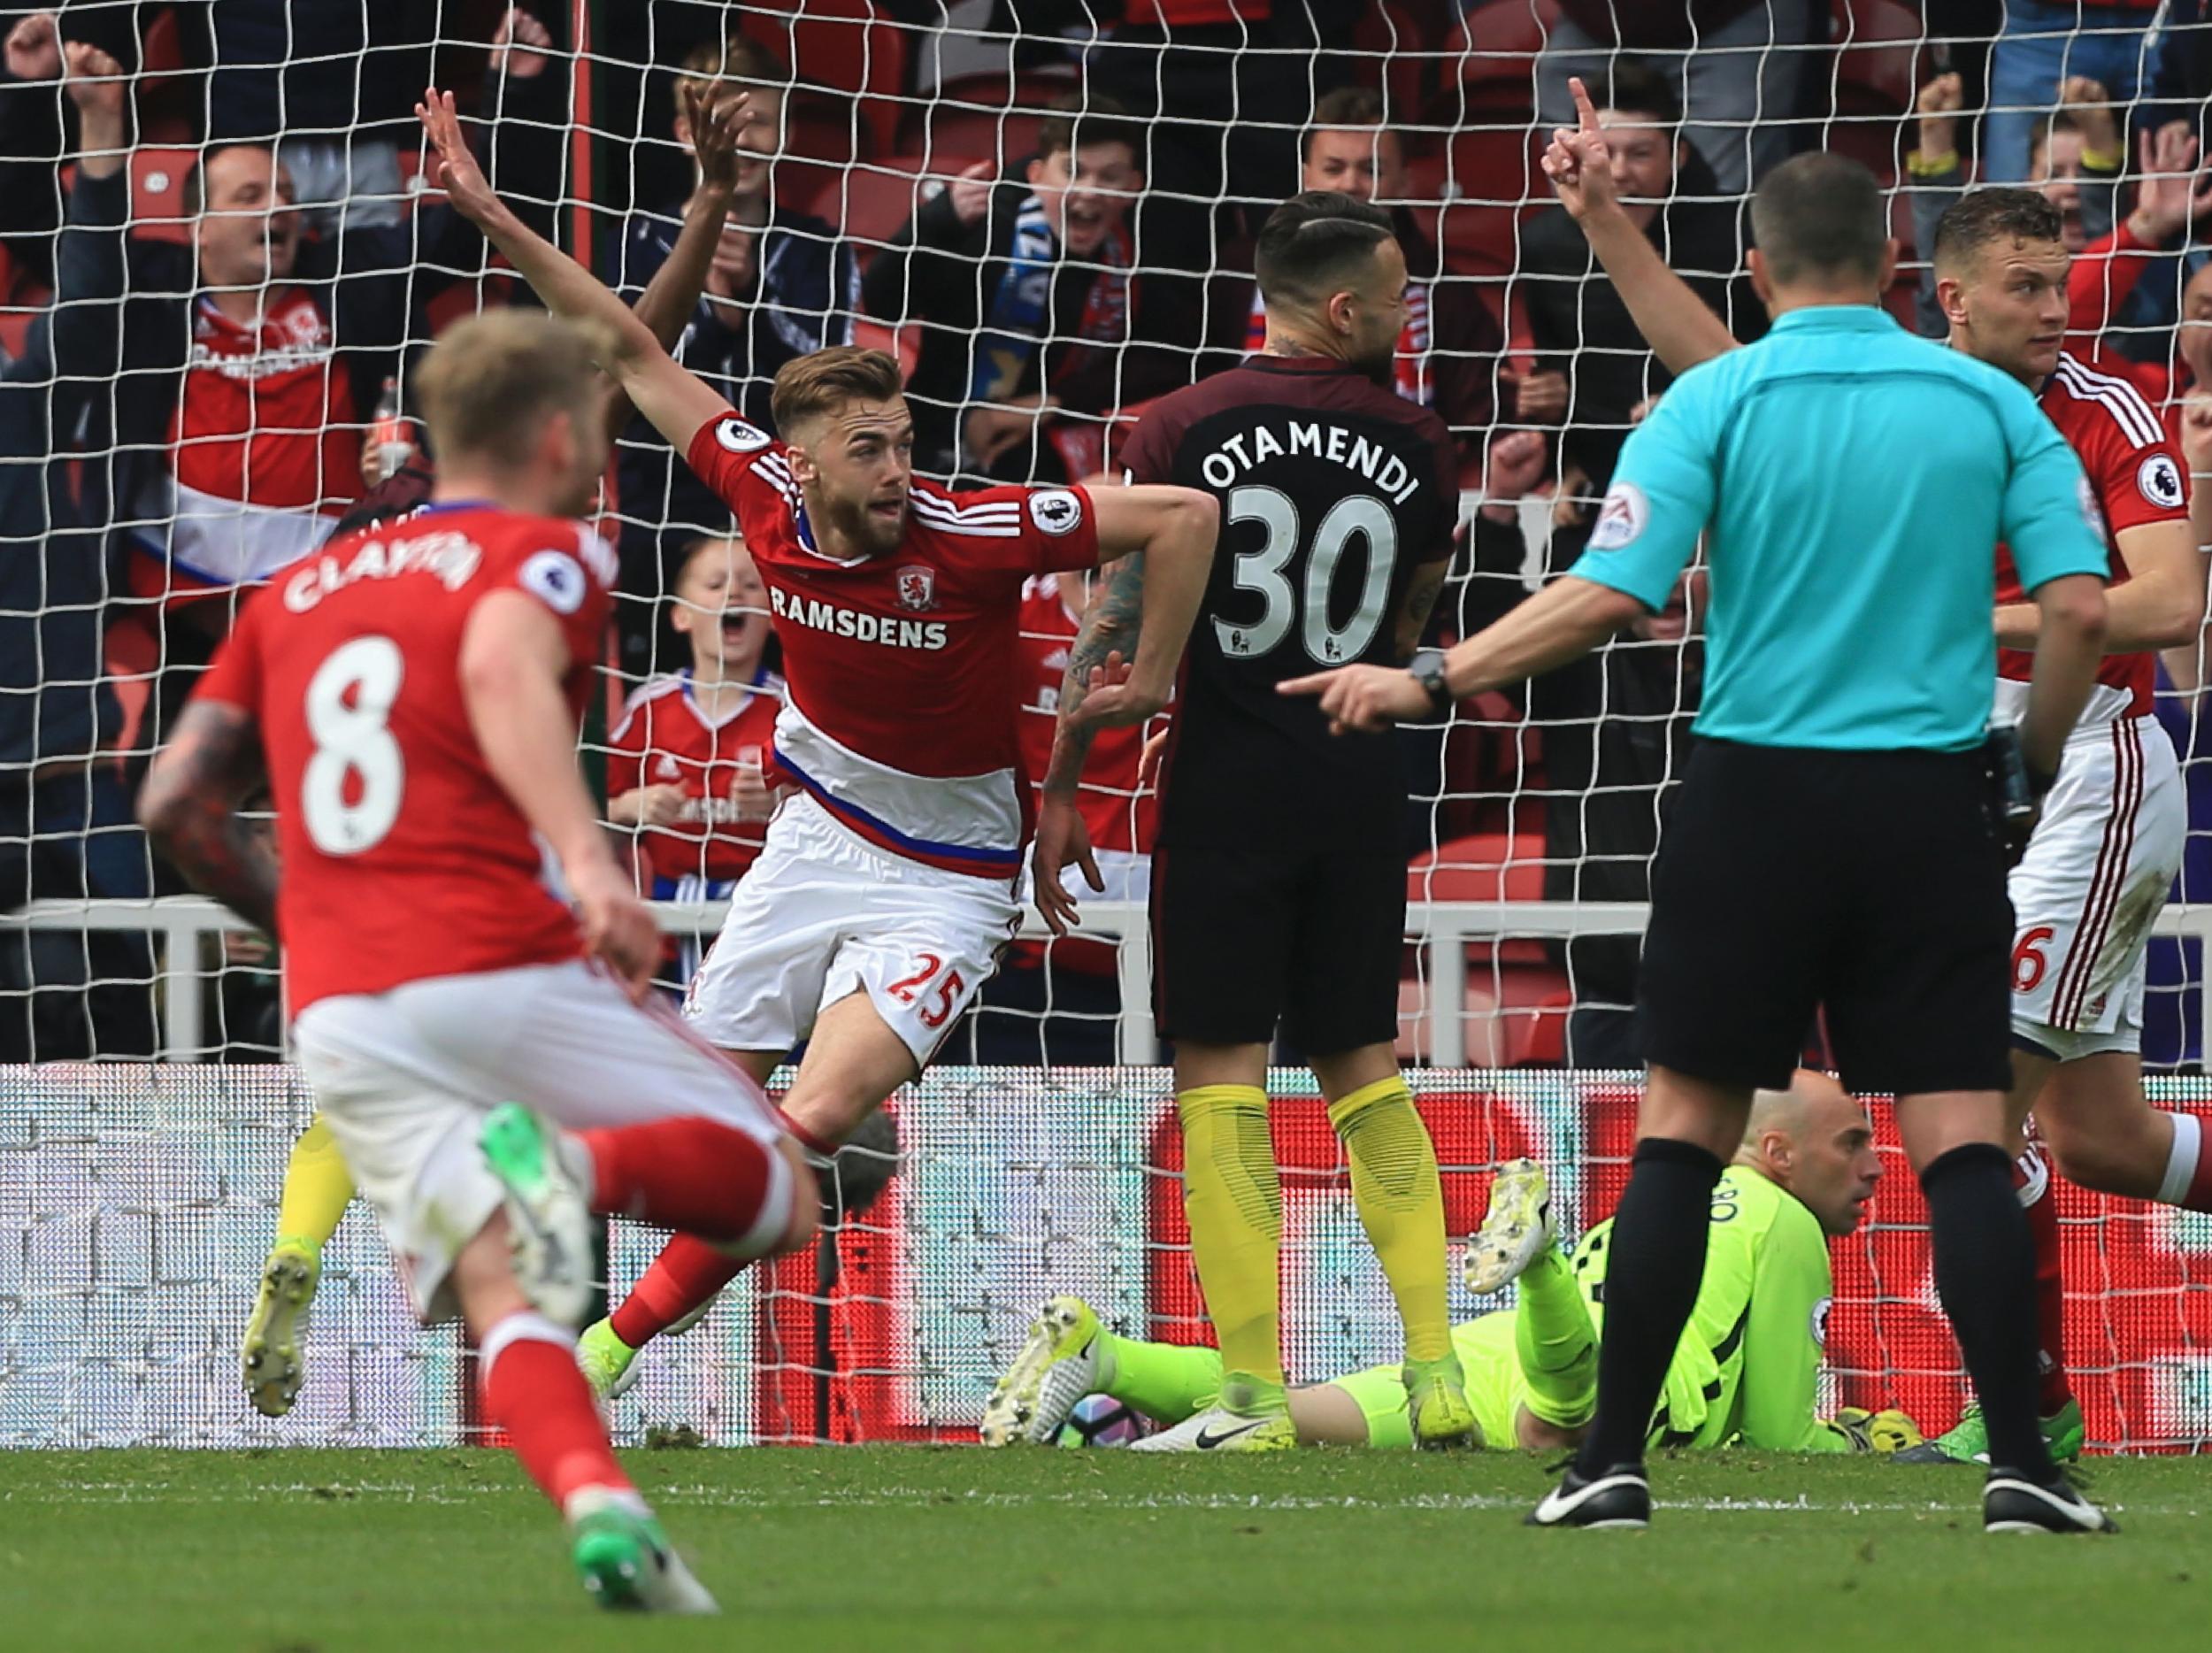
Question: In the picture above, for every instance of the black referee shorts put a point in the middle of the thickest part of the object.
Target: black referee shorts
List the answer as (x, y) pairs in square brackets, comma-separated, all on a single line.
[(1868, 883), (1306, 937)]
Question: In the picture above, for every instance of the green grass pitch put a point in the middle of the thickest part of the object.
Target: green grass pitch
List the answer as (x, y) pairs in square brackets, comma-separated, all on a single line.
[(899, 1548)]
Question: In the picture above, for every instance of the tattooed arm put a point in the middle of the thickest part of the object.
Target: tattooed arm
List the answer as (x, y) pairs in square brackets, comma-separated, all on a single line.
[(1111, 626), (1158, 542), (1420, 601), (190, 808)]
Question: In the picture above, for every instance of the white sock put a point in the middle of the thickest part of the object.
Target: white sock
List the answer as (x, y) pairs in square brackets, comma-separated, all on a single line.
[(2181, 1162), (586, 1500)]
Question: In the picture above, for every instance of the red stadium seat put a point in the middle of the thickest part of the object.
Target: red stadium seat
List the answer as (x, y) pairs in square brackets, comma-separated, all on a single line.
[(1877, 56), (1393, 54), (843, 47), (1490, 62), (1512, 1016), (872, 201), (1485, 866), (1483, 184), (982, 116), (157, 193)]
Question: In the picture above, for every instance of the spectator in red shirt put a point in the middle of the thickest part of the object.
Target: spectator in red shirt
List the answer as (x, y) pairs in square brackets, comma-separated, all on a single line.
[(688, 770)]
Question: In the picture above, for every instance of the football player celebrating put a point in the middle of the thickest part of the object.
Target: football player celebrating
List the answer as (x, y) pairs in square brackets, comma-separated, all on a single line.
[(412, 692), (1748, 1371), (890, 877)]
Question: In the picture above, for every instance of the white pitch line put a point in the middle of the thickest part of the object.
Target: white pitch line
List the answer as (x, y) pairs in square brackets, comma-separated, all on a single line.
[(900, 1497)]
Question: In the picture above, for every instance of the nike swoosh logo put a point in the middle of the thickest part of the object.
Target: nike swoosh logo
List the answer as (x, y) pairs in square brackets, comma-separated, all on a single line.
[(1207, 1439)]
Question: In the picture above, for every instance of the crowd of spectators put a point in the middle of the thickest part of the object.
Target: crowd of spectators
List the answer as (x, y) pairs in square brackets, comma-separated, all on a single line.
[(217, 263)]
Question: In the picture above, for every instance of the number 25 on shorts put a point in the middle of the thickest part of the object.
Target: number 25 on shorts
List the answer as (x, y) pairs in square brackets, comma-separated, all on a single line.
[(907, 988), (2028, 961)]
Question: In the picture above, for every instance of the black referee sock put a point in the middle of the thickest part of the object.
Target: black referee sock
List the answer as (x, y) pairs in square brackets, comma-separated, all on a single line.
[(1656, 1265), (1985, 1273)]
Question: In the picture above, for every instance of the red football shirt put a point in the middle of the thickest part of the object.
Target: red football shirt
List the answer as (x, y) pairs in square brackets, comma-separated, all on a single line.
[(900, 670), (262, 458), (401, 857), (2137, 477), (665, 740)]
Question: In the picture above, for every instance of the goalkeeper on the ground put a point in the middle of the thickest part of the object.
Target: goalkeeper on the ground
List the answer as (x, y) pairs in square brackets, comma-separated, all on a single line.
[(1747, 1371)]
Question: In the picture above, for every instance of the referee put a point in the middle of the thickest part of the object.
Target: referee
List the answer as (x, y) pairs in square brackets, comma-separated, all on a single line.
[(1834, 842)]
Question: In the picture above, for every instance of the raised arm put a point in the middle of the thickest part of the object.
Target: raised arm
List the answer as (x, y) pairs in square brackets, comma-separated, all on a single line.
[(190, 807), (676, 402), (1938, 178), (1674, 321), (672, 296)]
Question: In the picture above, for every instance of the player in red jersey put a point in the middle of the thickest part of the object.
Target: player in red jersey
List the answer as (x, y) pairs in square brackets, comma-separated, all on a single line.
[(2108, 844), (891, 877), (410, 692)]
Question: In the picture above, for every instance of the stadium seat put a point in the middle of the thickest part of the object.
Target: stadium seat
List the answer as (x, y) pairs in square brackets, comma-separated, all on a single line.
[(871, 201), (982, 116), (1485, 191), (1394, 53), (1485, 866), (19, 308), (1490, 61), (1877, 56), (844, 46), (1512, 1016), (157, 193)]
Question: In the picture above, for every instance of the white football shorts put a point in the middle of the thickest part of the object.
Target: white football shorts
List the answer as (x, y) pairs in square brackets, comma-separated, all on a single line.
[(2103, 857), (405, 1078), (823, 914)]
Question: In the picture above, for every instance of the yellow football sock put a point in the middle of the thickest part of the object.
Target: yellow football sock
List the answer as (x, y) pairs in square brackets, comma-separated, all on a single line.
[(1401, 1204), (1556, 1344), (1234, 1202), (318, 1187)]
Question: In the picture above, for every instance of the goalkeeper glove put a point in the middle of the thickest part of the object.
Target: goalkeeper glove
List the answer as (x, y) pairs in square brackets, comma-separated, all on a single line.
[(1890, 1431)]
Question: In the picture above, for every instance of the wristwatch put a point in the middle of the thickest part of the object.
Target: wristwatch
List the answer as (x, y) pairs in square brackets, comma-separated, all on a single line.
[(1426, 668)]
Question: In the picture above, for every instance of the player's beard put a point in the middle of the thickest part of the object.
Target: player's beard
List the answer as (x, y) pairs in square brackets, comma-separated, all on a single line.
[(880, 535), (1380, 367)]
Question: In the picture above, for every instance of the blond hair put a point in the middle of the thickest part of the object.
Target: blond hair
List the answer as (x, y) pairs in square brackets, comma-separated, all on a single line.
[(810, 386), (492, 380)]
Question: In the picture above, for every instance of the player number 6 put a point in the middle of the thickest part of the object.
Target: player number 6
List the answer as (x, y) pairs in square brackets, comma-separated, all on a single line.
[(2028, 962)]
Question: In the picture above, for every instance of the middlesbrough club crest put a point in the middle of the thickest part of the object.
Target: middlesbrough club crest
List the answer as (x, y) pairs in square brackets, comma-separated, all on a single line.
[(917, 586)]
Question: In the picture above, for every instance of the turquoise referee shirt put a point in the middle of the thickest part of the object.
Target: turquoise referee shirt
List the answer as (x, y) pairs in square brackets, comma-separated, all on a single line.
[(1856, 481)]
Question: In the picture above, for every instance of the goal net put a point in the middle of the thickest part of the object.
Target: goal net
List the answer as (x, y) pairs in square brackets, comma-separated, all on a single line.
[(136, 1203), (1047, 211)]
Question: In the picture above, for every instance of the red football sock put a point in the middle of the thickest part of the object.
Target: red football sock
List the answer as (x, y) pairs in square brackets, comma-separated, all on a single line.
[(685, 1275), (2031, 1175), (690, 1175), (534, 1390)]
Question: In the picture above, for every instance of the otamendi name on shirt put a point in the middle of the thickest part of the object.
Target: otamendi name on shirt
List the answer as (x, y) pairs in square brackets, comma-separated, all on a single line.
[(1246, 451)]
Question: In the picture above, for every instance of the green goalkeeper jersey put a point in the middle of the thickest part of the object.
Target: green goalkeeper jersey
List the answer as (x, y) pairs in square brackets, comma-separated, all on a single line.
[(1748, 1368)]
